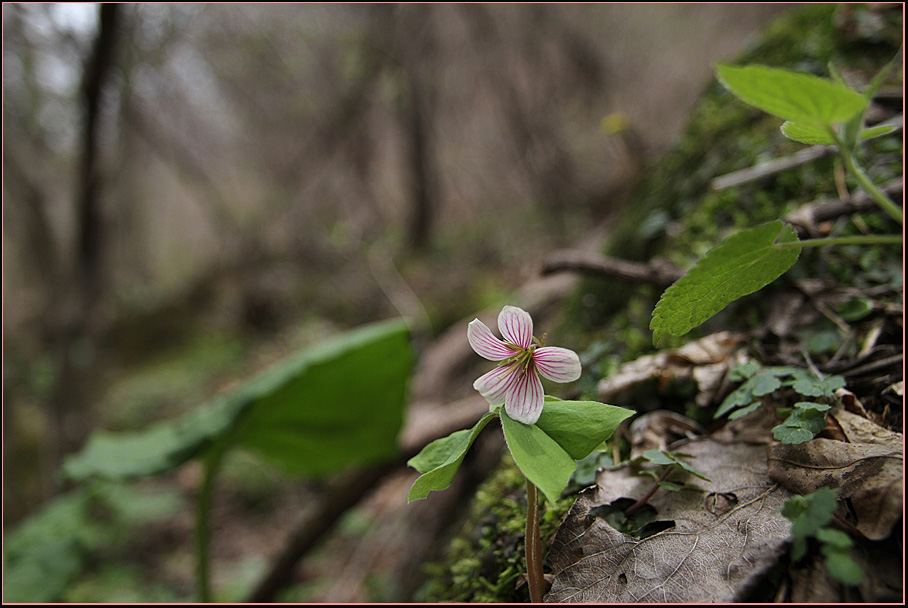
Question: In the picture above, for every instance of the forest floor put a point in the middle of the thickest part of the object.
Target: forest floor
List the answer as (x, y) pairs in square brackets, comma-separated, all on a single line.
[(840, 313)]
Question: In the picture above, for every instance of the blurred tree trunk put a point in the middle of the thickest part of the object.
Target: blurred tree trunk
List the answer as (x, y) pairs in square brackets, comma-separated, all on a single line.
[(69, 421), (414, 50)]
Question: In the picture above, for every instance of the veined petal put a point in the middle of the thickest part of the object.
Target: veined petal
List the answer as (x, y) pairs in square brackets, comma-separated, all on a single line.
[(516, 326), (523, 399), (494, 385), (558, 364), (485, 343)]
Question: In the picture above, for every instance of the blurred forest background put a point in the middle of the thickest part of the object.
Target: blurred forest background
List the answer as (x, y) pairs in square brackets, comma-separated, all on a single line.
[(191, 191)]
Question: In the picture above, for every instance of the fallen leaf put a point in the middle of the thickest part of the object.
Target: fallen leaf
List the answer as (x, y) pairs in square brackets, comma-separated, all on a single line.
[(868, 470), (706, 361), (725, 534)]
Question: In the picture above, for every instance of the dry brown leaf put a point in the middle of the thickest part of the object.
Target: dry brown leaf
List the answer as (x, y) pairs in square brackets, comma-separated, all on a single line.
[(726, 534), (706, 361), (656, 430), (867, 469)]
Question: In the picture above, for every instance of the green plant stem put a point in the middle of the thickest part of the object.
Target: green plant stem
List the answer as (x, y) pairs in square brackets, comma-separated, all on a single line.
[(210, 465), (875, 193), (860, 239), (535, 577)]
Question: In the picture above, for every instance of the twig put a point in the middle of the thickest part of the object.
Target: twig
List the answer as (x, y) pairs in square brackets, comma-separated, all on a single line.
[(811, 214), (778, 165), (636, 506), (660, 273)]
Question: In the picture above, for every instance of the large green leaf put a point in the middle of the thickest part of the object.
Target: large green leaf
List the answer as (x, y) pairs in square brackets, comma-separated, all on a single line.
[(580, 426), (795, 96), (328, 406), (538, 456), (741, 264), (439, 461)]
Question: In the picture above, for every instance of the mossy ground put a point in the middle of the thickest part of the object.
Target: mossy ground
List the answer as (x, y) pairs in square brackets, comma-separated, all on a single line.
[(674, 213)]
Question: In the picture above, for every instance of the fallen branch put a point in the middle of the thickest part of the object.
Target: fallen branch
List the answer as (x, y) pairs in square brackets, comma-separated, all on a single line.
[(657, 272), (824, 210), (778, 165)]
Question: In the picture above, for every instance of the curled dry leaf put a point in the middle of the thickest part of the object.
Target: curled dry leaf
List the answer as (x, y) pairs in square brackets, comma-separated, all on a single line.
[(657, 430), (706, 361), (725, 534), (867, 468)]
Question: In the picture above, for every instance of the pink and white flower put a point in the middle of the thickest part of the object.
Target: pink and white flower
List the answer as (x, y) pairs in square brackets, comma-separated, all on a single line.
[(515, 382)]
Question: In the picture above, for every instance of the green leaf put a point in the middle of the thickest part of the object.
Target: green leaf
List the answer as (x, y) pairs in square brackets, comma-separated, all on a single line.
[(661, 457), (807, 133), (667, 485), (745, 410), (809, 385), (855, 309), (833, 537), (585, 474), (794, 96), (744, 371), (806, 420), (439, 461), (326, 407), (538, 456), (811, 512), (764, 383), (878, 131), (580, 426), (439, 451), (791, 435), (690, 469), (44, 553), (843, 568), (741, 264)]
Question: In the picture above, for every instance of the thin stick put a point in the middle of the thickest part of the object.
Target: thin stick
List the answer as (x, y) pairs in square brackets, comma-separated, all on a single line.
[(535, 576), (636, 506)]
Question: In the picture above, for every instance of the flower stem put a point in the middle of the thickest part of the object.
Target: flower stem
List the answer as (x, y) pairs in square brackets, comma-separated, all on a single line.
[(535, 578), (210, 465), (860, 239)]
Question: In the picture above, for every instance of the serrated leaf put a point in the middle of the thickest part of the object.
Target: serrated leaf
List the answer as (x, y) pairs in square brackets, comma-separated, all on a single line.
[(807, 133), (326, 407), (538, 456), (580, 426), (439, 461), (740, 265), (789, 95)]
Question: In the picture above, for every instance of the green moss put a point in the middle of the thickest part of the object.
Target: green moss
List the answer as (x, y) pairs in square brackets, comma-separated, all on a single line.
[(485, 562), (674, 212)]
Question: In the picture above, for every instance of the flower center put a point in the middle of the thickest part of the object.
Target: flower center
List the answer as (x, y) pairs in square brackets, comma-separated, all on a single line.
[(523, 357)]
